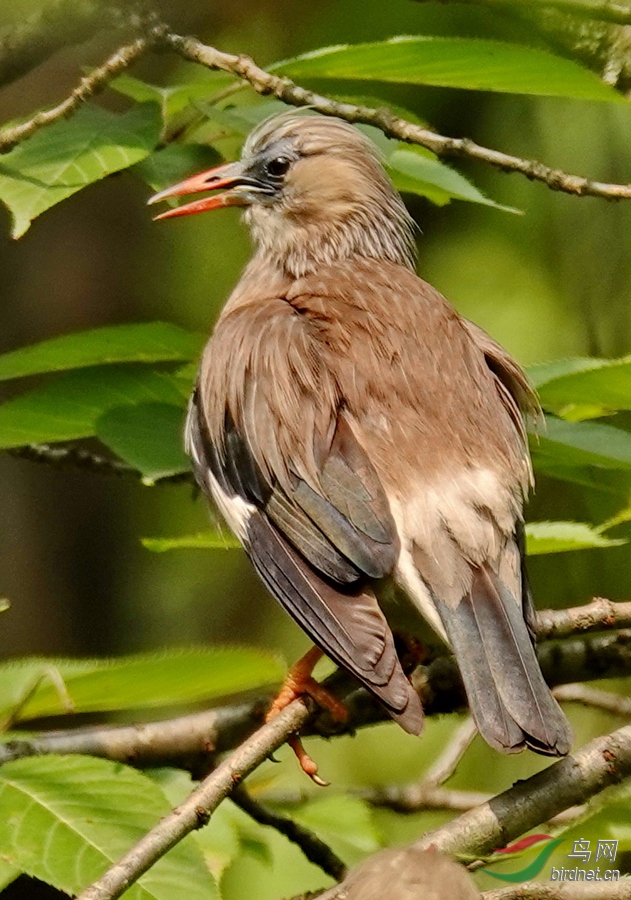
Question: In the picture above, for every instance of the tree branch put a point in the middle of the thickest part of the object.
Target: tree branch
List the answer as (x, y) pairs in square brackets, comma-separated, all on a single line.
[(571, 781), (186, 741), (195, 811), (428, 793), (393, 126), (68, 456), (537, 890), (589, 696), (595, 616), (601, 763), (89, 85)]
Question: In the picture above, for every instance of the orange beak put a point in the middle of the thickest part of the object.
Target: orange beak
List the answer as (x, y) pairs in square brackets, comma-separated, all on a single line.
[(229, 176)]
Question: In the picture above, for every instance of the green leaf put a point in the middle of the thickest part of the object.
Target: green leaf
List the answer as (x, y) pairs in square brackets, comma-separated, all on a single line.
[(453, 62), (241, 120), (345, 823), (148, 436), (65, 820), (144, 680), (600, 383), (176, 162), (203, 540), (69, 406), (175, 98), (418, 171), (60, 160), (558, 537), (582, 444), (8, 873), (140, 342)]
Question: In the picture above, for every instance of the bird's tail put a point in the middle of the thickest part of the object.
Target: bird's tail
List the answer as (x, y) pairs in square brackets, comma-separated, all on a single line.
[(509, 699)]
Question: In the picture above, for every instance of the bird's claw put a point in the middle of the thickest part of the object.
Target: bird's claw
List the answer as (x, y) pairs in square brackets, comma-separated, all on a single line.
[(308, 765)]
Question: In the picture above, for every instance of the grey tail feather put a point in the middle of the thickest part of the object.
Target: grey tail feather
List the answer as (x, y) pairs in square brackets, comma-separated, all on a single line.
[(509, 699)]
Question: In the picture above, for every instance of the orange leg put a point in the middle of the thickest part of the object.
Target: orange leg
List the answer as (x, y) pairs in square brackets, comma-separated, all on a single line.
[(300, 681)]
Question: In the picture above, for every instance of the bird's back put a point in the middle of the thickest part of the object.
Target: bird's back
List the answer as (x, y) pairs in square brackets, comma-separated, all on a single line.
[(381, 434)]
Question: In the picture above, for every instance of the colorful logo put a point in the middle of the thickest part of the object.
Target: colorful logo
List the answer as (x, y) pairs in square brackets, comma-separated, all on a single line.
[(533, 869)]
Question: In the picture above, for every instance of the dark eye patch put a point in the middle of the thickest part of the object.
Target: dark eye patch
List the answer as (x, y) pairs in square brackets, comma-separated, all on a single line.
[(278, 166)]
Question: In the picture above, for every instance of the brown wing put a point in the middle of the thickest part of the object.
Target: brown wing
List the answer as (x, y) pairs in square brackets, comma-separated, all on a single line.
[(317, 523)]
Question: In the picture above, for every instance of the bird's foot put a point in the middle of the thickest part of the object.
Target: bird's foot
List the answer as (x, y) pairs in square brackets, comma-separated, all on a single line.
[(411, 652), (300, 681)]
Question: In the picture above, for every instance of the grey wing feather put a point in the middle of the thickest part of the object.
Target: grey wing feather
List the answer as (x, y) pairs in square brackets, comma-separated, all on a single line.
[(316, 565), (348, 626)]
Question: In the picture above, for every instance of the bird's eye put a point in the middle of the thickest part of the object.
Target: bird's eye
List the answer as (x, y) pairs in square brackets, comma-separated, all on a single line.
[(278, 167)]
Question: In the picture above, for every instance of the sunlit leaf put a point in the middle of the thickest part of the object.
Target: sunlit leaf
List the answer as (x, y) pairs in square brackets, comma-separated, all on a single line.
[(559, 537), (62, 159), (582, 444), (603, 383), (176, 97), (148, 436), (203, 540), (65, 820), (417, 171), (345, 823), (141, 342), (453, 62), (69, 406), (144, 680), (8, 874)]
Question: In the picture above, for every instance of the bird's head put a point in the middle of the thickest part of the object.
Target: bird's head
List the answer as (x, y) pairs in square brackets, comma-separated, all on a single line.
[(315, 192)]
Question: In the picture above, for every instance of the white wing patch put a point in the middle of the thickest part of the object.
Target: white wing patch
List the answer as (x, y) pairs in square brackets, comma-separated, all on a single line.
[(235, 510)]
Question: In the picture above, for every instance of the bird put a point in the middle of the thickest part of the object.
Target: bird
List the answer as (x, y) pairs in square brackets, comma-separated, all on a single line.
[(361, 438)]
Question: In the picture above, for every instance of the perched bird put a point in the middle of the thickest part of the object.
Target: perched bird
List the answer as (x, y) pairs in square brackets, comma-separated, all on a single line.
[(355, 431)]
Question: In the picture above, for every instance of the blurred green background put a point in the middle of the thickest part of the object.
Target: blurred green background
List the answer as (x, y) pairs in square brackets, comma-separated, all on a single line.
[(554, 282)]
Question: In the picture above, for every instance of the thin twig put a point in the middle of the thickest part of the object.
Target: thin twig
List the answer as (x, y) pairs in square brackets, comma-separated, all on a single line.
[(195, 811), (66, 456), (427, 793), (393, 126), (89, 85), (603, 11), (595, 616), (314, 849), (589, 696), (448, 761), (413, 798)]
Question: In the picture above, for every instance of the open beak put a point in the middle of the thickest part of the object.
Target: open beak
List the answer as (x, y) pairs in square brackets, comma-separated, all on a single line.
[(230, 176)]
